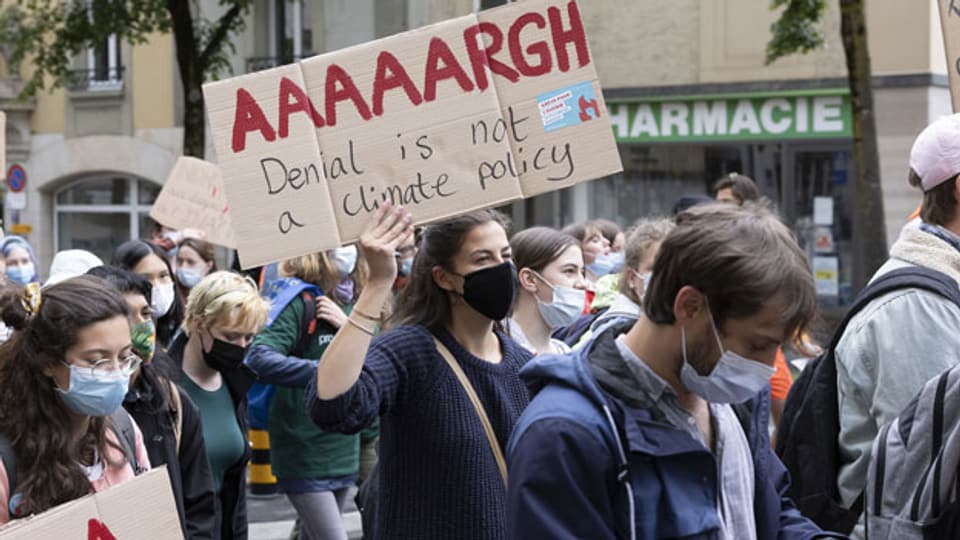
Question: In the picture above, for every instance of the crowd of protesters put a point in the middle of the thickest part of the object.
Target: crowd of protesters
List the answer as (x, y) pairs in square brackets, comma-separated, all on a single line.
[(589, 382)]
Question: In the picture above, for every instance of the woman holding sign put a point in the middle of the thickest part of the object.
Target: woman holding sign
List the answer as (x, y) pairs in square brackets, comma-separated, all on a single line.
[(445, 381), (63, 376)]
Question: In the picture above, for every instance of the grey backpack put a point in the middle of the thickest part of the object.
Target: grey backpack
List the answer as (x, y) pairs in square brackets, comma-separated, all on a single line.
[(912, 482)]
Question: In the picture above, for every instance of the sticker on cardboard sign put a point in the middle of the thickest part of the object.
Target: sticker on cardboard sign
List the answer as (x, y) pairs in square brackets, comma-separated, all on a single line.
[(568, 106)]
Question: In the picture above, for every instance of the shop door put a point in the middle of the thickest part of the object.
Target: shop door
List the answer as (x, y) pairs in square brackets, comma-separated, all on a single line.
[(818, 203)]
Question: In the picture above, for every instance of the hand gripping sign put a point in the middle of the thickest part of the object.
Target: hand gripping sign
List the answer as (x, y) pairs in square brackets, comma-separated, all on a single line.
[(469, 113)]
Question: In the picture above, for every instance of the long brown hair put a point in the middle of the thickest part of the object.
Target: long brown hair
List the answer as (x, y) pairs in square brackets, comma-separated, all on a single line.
[(32, 415), (422, 301)]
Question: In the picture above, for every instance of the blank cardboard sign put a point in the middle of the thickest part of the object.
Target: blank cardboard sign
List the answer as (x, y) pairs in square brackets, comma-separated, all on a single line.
[(141, 508), (465, 114), (193, 198)]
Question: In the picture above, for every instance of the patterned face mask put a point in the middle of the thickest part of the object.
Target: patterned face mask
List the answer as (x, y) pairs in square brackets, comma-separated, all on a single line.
[(144, 338)]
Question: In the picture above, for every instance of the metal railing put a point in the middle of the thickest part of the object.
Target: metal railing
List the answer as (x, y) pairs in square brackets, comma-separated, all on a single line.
[(102, 78)]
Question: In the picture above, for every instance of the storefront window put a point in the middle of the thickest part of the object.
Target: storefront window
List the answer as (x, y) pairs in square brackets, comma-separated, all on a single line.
[(97, 214), (655, 177)]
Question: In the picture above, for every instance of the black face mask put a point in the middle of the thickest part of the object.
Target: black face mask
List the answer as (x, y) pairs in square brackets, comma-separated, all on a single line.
[(490, 291), (224, 356)]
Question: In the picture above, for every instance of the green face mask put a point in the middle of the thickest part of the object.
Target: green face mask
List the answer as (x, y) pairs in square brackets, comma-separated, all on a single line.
[(144, 338)]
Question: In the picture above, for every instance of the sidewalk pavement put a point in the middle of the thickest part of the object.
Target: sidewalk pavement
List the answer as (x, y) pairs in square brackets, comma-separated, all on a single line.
[(271, 517)]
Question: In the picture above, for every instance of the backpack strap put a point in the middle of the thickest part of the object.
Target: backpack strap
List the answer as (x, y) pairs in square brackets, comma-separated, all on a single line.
[(9, 458), (176, 410), (309, 327), (914, 277), (123, 425)]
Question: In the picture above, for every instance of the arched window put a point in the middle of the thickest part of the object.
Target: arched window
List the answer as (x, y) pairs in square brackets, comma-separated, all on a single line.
[(99, 212)]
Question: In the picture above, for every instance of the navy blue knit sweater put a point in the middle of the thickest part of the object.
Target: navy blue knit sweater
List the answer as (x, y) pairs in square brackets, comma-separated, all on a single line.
[(438, 478)]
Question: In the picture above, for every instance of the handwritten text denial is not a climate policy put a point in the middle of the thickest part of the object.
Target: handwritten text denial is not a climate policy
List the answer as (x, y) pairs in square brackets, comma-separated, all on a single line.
[(469, 113)]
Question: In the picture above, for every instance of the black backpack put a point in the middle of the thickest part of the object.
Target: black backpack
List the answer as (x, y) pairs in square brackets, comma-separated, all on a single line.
[(810, 424)]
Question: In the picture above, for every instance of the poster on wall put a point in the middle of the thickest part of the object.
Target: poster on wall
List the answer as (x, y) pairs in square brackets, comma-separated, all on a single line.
[(469, 113)]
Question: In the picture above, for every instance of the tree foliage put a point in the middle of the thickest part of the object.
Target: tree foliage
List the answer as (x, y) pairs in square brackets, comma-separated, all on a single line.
[(798, 30), (51, 33)]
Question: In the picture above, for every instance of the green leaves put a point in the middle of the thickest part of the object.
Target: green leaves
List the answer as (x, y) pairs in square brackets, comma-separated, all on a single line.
[(50, 34), (797, 30)]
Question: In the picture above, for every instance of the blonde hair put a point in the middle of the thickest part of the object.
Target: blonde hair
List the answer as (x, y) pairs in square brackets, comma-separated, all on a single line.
[(317, 269), (225, 298)]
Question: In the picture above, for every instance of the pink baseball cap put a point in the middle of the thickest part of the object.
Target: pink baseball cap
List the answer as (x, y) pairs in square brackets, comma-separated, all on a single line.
[(935, 155)]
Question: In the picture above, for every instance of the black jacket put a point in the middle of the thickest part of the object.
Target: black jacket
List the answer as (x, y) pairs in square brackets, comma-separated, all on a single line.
[(232, 503), (189, 471)]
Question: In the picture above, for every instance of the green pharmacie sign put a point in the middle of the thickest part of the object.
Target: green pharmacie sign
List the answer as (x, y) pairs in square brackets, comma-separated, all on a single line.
[(776, 115)]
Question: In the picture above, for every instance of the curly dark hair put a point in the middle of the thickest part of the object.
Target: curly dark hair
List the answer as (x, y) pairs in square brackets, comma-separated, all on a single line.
[(32, 415)]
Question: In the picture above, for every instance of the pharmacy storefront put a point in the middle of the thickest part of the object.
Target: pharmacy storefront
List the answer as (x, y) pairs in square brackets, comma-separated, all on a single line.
[(796, 145)]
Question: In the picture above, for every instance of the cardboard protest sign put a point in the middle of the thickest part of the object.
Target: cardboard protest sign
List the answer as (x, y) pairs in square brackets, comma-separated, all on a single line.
[(550, 96), (194, 198), (267, 150), (140, 508), (950, 24), (465, 114), (412, 142)]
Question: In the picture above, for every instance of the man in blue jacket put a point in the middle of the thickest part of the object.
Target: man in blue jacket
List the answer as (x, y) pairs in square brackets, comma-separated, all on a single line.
[(659, 429)]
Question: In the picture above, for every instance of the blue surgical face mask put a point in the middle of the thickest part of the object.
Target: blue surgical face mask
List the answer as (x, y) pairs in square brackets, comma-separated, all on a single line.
[(606, 264), (733, 379), (21, 275), (96, 394), (189, 277)]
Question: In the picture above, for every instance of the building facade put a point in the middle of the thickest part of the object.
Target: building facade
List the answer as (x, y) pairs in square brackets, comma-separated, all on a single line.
[(687, 90)]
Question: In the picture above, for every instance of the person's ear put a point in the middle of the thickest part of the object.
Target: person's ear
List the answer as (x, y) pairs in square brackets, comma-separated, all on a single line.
[(689, 305), (528, 280), (444, 279)]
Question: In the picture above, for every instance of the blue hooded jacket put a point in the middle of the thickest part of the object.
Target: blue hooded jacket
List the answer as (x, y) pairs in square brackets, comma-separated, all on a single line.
[(582, 462)]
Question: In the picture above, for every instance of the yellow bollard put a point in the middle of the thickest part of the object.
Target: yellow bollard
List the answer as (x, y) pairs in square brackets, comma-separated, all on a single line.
[(261, 478)]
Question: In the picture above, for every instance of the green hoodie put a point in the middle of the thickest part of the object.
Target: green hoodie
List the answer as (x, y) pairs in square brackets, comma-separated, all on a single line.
[(299, 449)]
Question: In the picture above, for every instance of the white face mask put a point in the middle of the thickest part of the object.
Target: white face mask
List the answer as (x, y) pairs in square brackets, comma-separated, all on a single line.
[(344, 259), (162, 300), (567, 305), (644, 279), (734, 379)]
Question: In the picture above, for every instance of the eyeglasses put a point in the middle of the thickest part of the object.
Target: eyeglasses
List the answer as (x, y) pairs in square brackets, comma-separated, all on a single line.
[(109, 366)]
